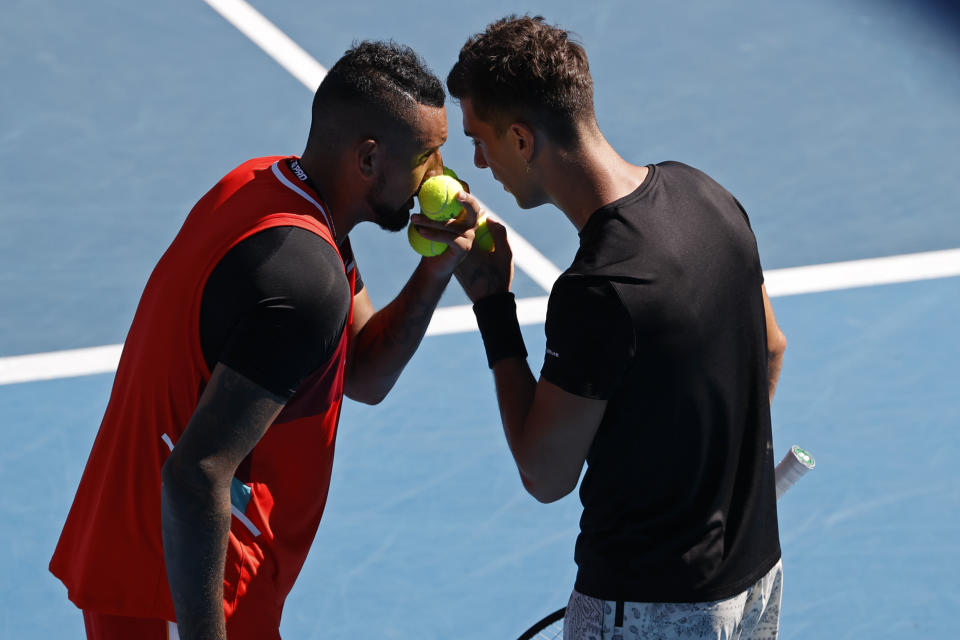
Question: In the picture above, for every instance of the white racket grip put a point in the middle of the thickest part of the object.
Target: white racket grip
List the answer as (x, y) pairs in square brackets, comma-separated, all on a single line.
[(796, 463)]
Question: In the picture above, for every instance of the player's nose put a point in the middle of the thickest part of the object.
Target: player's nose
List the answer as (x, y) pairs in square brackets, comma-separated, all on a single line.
[(478, 160), (436, 162)]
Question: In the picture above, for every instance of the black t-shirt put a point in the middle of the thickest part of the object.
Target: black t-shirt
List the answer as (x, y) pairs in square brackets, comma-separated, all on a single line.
[(661, 313), (275, 306)]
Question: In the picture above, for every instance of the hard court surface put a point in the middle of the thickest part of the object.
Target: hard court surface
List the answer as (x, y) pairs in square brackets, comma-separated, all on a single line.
[(836, 125)]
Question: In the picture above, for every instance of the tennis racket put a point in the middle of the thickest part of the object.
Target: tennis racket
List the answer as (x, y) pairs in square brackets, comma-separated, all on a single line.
[(796, 463)]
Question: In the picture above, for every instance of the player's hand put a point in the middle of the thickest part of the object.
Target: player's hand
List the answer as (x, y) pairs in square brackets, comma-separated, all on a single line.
[(483, 273), (458, 234)]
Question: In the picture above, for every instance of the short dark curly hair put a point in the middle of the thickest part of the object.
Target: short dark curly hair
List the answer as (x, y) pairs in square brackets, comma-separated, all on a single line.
[(372, 84), (522, 67)]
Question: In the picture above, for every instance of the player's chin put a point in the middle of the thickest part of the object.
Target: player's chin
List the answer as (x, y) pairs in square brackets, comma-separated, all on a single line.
[(527, 200), (524, 203), (395, 220)]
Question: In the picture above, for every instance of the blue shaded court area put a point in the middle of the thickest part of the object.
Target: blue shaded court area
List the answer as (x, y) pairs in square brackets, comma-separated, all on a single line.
[(835, 124)]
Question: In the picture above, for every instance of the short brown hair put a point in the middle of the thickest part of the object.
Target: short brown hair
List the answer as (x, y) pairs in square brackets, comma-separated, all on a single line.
[(523, 68)]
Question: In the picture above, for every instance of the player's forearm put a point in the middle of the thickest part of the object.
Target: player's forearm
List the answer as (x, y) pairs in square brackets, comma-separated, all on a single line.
[(391, 336), (516, 388), (196, 524), (776, 344), (775, 351), (507, 357)]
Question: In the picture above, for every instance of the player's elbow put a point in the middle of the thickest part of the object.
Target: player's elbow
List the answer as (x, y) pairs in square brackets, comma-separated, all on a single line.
[(366, 386), (183, 479), (364, 393), (548, 495), (547, 490), (363, 388), (776, 344)]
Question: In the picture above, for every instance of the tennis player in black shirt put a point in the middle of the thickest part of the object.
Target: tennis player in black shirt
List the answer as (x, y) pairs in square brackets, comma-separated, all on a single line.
[(662, 355)]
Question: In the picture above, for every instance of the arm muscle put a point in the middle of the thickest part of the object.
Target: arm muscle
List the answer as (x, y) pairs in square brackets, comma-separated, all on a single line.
[(231, 417)]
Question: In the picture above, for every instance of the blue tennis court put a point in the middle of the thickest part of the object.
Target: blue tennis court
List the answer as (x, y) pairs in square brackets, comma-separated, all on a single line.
[(837, 126)]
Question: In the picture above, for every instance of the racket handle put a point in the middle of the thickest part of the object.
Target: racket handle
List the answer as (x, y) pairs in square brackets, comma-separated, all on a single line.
[(796, 463)]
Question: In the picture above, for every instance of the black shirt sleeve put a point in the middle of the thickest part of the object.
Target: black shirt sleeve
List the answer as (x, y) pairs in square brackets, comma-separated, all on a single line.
[(590, 338), (746, 219), (349, 262), (275, 307)]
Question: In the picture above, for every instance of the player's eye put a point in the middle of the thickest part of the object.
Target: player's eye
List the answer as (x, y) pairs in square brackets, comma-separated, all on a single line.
[(426, 156)]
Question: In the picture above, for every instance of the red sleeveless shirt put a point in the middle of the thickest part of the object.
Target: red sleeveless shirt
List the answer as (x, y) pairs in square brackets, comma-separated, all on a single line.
[(110, 553)]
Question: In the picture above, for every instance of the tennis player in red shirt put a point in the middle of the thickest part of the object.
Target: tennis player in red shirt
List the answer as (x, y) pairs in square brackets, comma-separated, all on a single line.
[(209, 475)]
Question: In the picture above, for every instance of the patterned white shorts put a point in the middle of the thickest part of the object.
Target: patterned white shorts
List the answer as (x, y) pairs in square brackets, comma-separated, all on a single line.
[(751, 615)]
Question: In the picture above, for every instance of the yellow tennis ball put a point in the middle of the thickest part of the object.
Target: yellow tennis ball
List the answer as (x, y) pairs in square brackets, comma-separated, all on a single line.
[(421, 245), (482, 238), (438, 198)]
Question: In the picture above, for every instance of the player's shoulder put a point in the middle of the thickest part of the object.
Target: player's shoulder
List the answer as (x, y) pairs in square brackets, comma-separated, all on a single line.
[(681, 170), (261, 162), (691, 179), (254, 164), (304, 250), (285, 253), (575, 290), (245, 174), (586, 305)]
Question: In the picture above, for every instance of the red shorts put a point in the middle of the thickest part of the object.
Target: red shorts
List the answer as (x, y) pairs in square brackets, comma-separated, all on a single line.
[(101, 626)]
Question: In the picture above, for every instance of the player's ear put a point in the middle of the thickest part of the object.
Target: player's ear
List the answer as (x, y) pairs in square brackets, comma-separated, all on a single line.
[(368, 156), (524, 140)]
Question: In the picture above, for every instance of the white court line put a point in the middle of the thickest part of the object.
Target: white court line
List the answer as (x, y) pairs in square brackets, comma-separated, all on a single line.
[(59, 364), (863, 273), (274, 42), (780, 282), (459, 319)]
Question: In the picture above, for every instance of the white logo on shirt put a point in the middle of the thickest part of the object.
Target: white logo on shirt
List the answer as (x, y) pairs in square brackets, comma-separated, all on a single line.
[(297, 169), (551, 352)]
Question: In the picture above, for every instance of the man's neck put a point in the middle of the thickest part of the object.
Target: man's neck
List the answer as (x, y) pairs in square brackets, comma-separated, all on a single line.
[(581, 182), (325, 181)]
